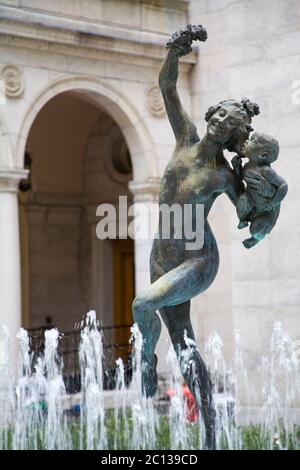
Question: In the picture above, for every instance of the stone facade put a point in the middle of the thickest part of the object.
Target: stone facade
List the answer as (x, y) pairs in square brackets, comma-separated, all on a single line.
[(109, 54), (253, 50)]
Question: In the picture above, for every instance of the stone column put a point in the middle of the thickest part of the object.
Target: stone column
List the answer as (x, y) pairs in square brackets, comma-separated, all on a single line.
[(144, 192), (147, 192), (10, 265)]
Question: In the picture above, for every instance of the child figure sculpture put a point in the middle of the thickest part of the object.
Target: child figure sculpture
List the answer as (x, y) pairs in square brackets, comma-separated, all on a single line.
[(252, 206)]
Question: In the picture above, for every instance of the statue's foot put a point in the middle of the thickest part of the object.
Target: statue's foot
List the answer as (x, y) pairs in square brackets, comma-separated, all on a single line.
[(242, 224), (250, 242), (149, 376), (210, 428)]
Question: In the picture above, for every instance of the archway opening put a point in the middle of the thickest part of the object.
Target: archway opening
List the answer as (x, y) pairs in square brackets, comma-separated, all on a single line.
[(79, 159)]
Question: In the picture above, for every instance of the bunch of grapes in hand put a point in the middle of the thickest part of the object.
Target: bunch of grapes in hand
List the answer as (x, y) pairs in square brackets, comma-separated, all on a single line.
[(181, 41)]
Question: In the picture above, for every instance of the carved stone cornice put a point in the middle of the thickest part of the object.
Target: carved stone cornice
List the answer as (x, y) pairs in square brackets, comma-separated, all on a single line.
[(177, 4), (106, 43), (9, 180)]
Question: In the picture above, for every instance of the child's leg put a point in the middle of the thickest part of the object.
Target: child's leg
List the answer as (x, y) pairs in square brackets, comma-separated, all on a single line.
[(243, 208), (260, 227), (250, 242)]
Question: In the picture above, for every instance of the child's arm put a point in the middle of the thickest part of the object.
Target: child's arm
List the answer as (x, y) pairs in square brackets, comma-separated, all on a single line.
[(279, 183)]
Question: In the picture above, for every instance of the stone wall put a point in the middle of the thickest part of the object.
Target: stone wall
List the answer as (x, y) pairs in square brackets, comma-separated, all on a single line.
[(147, 15), (54, 265), (253, 50)]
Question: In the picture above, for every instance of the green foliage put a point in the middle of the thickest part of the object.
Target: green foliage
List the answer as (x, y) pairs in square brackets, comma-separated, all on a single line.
[(252, 437)]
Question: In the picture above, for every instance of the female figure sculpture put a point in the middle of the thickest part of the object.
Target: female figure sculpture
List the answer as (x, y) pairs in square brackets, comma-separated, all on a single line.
[(196, 174)]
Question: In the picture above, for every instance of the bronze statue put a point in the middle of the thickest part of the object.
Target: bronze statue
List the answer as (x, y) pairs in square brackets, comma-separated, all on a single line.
[(197, 173)]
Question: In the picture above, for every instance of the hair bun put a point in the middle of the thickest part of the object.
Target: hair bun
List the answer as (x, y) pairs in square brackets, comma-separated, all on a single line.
[(251, 108)]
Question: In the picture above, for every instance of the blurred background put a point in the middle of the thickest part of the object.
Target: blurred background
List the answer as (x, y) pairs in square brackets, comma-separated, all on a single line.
[(82, 122)]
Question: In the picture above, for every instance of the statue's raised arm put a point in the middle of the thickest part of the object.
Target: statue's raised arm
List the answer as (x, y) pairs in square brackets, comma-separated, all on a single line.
[(179, 45)]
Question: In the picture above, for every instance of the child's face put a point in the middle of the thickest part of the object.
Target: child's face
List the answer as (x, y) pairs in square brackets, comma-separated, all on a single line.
[(254, 147)]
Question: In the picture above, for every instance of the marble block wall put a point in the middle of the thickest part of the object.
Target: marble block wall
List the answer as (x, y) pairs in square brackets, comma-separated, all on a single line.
[(253, 50)]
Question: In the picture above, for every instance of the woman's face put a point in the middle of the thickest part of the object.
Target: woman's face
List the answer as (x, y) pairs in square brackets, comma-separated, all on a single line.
[(222, 124)]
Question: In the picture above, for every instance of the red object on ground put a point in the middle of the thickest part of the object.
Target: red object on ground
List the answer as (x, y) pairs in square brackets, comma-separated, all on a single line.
[(191, 408)]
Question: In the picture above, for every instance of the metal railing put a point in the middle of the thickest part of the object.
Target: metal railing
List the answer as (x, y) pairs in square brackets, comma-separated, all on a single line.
[(114, 346)]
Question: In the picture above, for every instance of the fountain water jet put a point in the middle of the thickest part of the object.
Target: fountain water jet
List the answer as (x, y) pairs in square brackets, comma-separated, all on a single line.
[(35, 409)]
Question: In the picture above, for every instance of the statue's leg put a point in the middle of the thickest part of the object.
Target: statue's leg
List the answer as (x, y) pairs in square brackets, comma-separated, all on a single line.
[(175, 287), (261, 226), (250, 242), (243, 208), (194, 370)]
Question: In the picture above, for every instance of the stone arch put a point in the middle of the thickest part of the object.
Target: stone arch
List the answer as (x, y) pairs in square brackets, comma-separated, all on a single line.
[(115, 104)]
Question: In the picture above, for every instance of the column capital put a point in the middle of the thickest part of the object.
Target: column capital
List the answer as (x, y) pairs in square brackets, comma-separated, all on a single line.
[(9, 179), (145, 190)]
